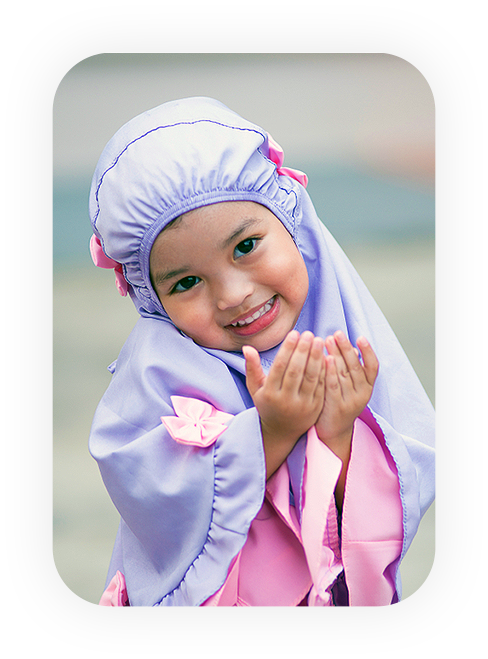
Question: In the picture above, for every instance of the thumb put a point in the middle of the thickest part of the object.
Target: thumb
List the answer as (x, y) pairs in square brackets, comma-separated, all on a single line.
[(255, 376)]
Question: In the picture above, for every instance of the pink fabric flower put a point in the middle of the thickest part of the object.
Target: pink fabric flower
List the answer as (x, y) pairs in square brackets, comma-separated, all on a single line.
[(277, 155), (116, 592), (103, 261), (196, 422)]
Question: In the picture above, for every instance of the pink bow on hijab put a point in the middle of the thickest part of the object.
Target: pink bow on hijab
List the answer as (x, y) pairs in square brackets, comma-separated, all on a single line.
[(196, 422), (103, 261), (277, 155)]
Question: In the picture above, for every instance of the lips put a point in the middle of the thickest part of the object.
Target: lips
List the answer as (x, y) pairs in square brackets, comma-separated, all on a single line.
[(258, 320), (257, 314)]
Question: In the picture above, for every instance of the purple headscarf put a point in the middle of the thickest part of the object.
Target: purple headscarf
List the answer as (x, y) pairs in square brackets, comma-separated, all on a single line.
[(185, 512)]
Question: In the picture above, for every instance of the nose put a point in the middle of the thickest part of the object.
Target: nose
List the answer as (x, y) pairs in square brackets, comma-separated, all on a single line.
[(232, 289)]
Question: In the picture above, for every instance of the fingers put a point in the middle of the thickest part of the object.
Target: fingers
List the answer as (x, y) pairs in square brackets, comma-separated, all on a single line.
[(370, 360), (350, 357), (314, 370), (255, 376), (332, 383), (320, 388), (304, 366), (351, 374), (280, 364), (298, 365), (341, 355)]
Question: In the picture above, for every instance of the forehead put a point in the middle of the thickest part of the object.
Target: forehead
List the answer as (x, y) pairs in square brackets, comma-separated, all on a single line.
[(216, 224)]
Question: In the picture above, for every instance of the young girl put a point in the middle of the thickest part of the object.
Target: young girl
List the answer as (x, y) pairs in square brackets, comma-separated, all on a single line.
[(255, 453)]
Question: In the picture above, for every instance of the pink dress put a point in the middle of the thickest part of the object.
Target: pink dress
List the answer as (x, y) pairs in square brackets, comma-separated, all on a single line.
[(288, 563), (284, 563)]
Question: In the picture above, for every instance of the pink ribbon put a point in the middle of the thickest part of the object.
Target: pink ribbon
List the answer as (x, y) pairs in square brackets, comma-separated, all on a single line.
[(101, 260), (276, 155), (196, 422)]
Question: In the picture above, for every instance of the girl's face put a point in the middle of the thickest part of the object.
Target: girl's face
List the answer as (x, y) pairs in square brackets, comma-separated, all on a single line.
[(230, 275)]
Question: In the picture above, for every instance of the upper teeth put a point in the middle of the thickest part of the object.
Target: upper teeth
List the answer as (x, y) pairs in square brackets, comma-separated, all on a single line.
[(260, 312)]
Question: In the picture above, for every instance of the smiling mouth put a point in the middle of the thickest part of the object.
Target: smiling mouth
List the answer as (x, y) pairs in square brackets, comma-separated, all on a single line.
[(257, 321), (257, 314)]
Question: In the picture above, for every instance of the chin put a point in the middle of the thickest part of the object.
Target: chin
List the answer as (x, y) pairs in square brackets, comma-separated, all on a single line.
[(264, 343)]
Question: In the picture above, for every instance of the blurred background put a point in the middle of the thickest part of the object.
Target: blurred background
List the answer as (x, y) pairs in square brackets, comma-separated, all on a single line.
[(360, 125)]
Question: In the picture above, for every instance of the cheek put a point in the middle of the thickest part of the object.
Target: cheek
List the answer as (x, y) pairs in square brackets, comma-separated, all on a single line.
[(183, 314), (292, 277), (192, 318)]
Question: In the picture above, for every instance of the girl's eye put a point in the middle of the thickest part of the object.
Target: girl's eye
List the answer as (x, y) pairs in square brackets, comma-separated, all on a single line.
[(185, 284), (245, 247)]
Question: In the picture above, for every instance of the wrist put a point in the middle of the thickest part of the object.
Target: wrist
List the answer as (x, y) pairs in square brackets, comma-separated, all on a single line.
[(277, 446), (279, 434), (339, 442)]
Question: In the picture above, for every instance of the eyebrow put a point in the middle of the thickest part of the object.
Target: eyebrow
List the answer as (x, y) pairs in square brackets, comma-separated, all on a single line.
[(162, 277), (238, 232)]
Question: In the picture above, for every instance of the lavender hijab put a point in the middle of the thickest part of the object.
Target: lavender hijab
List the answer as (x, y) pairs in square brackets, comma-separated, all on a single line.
[(185, 512)]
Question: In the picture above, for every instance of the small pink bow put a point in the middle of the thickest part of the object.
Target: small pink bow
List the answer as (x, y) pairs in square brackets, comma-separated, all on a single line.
[(276, 155), (196, 422), (103, 261)]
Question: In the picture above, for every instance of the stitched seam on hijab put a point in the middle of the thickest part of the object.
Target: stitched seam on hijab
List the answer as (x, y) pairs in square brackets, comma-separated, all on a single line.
[(137, 139), (277, 176)]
